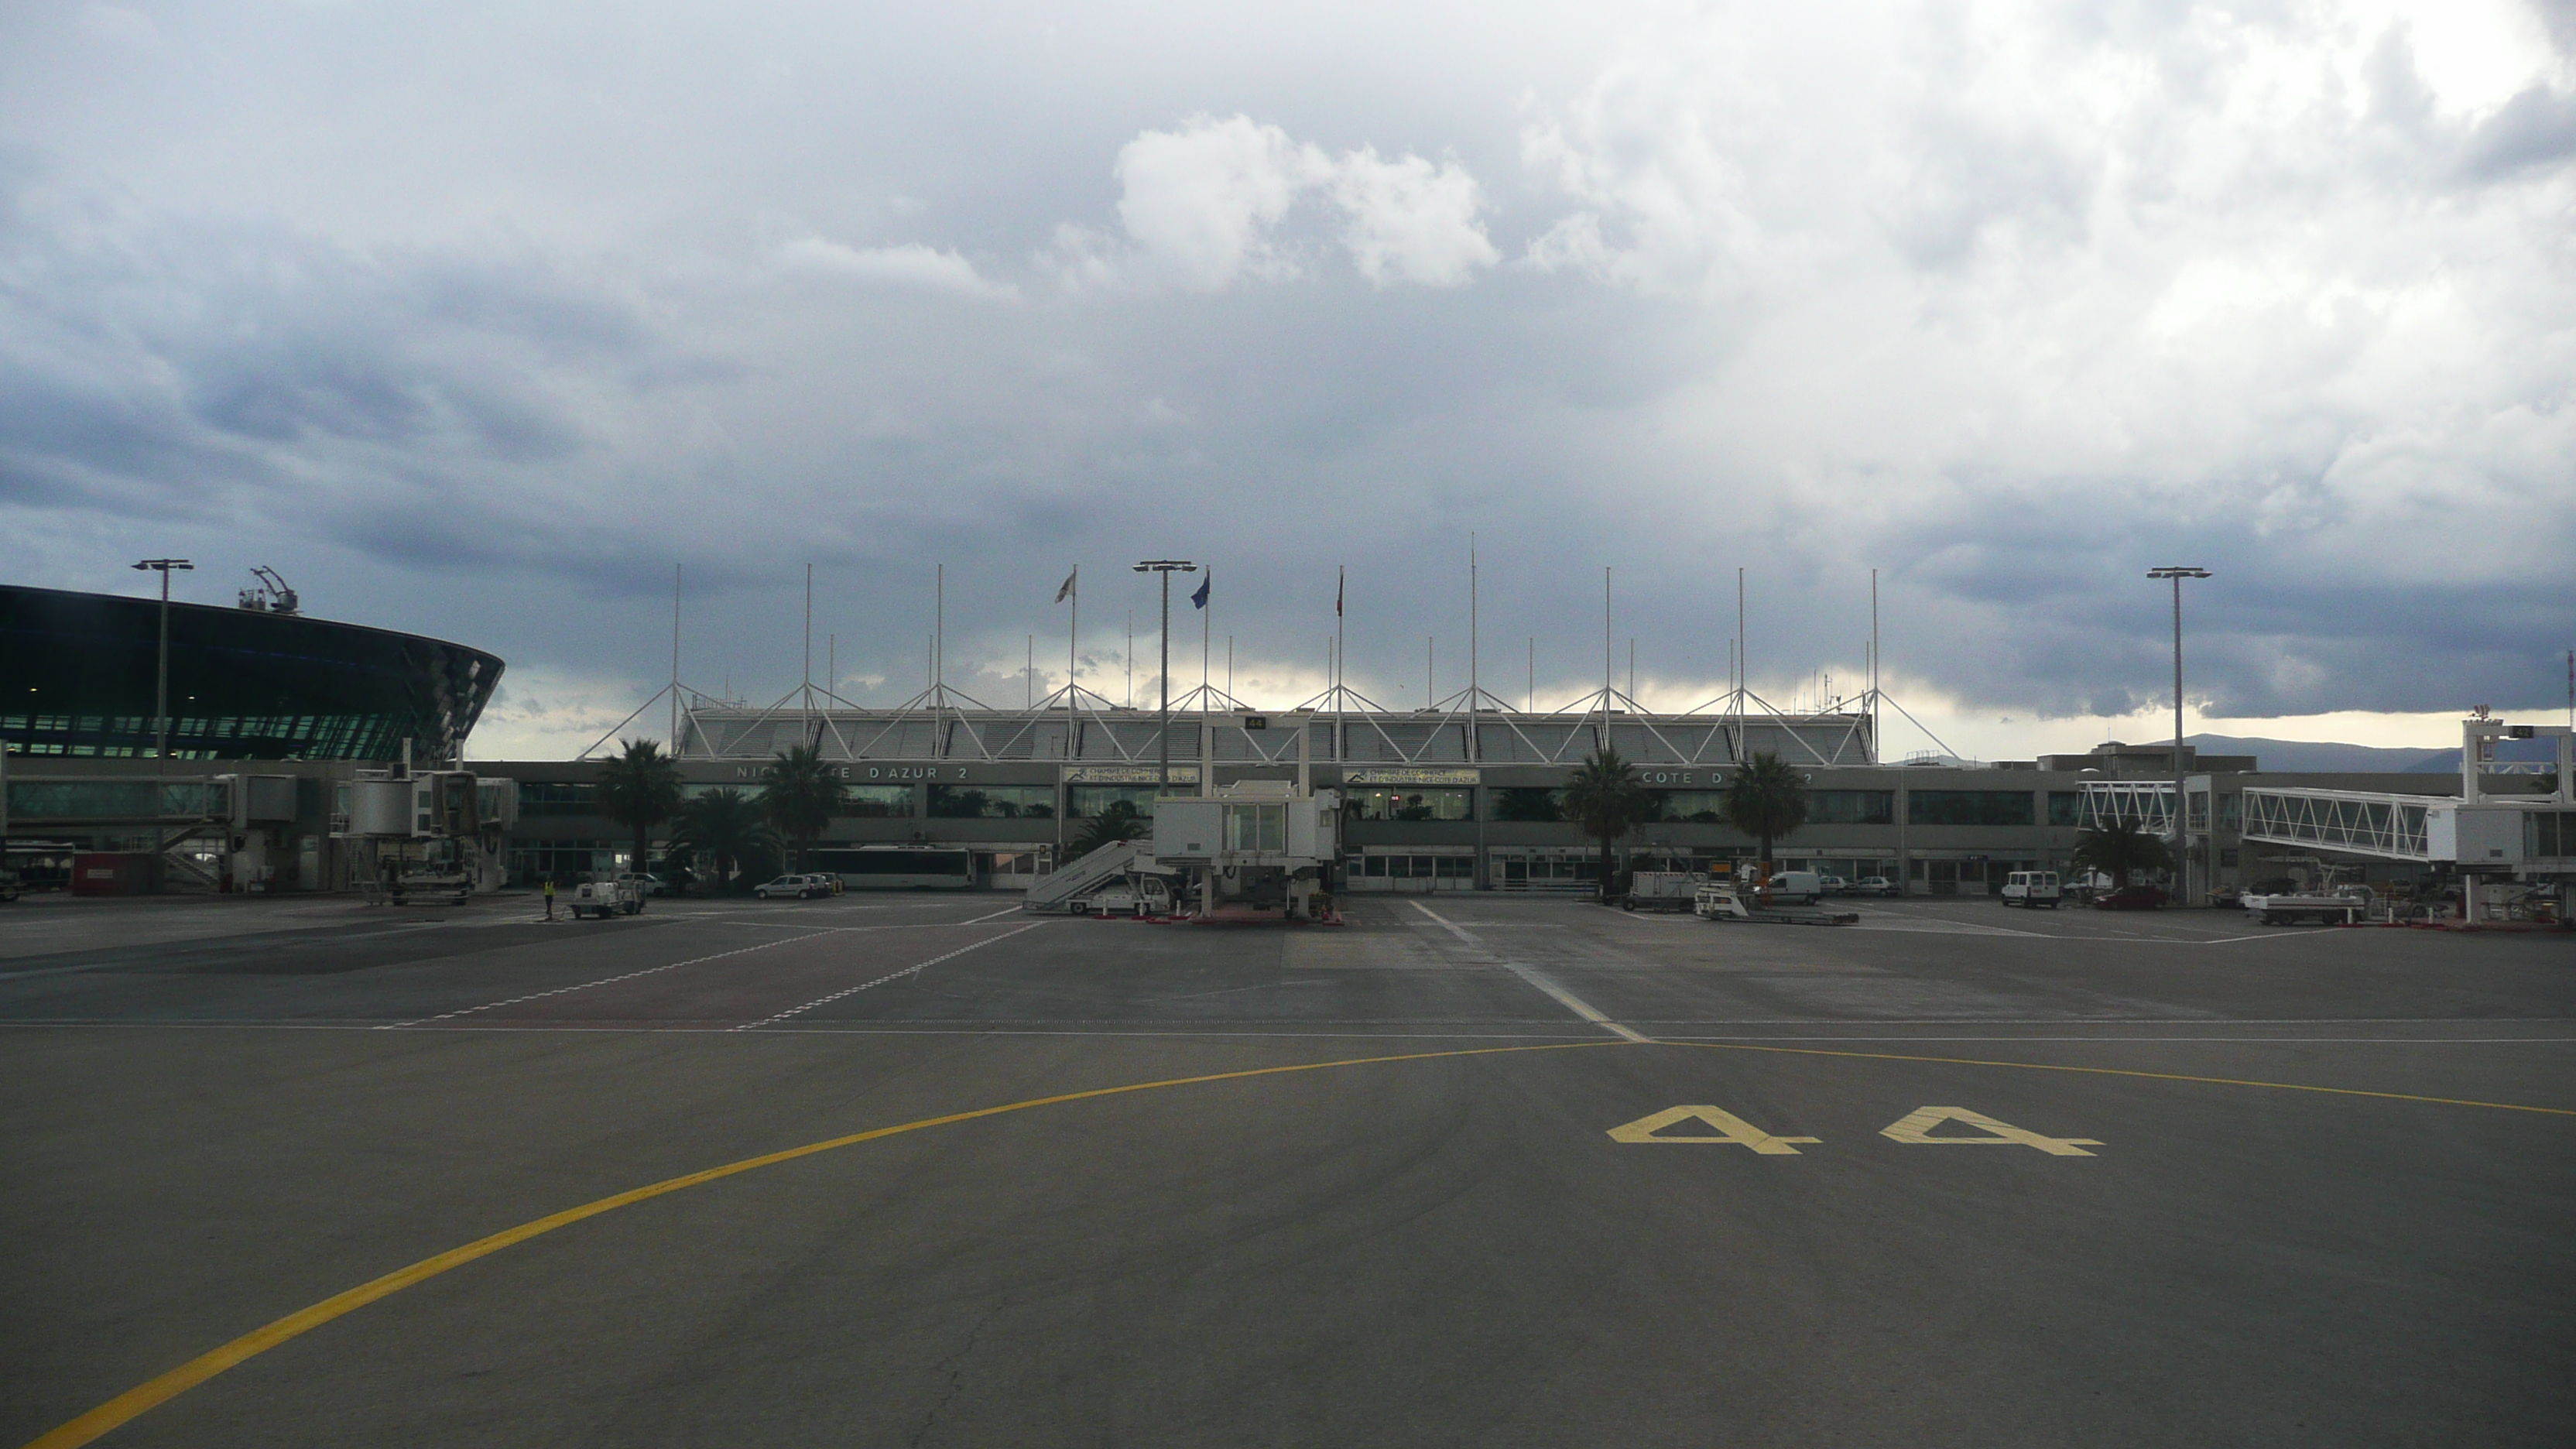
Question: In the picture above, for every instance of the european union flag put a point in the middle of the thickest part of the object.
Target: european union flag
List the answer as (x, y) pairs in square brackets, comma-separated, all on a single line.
[(1200, 598)]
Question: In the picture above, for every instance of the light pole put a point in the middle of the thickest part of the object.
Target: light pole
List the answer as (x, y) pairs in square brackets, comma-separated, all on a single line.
[(1167, 567), (161, 689), (2181, 802)]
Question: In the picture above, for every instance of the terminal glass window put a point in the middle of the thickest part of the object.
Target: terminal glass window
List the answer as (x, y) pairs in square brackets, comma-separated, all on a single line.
[(1082, 802), (1968, 807), (1256, 827), (116, 799), (1367, 802), (1851, 807), (888, 802), (2547, 834), (992, 802), (2065, 807), (1528, 802), (1693, 807), (557, 797)]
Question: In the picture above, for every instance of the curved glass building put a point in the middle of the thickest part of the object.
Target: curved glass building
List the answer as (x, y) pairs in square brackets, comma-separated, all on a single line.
[(77, 674)]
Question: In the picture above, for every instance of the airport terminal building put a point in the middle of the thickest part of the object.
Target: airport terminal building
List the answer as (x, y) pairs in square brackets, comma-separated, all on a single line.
[(1439, 801), (274, 716)]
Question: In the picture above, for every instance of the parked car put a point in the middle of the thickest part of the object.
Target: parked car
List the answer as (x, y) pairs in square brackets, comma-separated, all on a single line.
[(2031, 889), (1836, 885), (651, 885), (2130, 898), (801, 887), (8, 885), (1873, 885)]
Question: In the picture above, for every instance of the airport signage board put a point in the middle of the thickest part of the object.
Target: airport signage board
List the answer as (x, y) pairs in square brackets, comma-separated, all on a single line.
[(875, 772), (1129, 775), (1392, 776)]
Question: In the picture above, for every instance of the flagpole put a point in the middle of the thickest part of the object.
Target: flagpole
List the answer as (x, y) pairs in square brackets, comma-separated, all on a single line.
[(1475, 746), (1072, 662), (1341, 731), (675, 663), (1207, 622)]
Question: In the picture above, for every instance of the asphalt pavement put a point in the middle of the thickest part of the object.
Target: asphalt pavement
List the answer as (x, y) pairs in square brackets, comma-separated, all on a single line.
[(1469, 1169)]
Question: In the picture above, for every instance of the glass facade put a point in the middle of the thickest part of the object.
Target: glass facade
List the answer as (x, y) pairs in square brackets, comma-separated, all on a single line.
[(1081, 802), (1851, 807), (1529, 803), (2549, 833), (990, 802), (894, 802), (1256, 827), (551, 797), (1413, 867), (2065, 807), (1693, 807), (1395, 802), (31, 801), (1968, 807), (82, 671)]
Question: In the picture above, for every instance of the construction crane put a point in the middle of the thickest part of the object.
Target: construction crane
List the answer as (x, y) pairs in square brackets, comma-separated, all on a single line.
[(270, 595)]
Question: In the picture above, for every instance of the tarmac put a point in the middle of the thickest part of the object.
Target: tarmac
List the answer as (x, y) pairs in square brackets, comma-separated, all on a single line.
[(1468, 1169)]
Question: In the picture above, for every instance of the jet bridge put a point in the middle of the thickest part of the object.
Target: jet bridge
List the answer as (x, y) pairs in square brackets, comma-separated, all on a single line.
[(1259, 843)]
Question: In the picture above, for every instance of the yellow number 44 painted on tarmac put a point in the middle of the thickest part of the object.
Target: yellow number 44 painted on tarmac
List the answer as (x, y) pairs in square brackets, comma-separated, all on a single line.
[(1729, 1128), (1916, 1127)]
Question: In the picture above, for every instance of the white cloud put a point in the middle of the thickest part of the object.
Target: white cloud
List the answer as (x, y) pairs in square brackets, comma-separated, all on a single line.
[(902, 266), (1408, 220), (1201, 200), (1203, 207)]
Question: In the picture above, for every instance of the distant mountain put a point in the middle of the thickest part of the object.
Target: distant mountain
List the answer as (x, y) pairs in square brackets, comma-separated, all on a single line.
[(2313, 757)]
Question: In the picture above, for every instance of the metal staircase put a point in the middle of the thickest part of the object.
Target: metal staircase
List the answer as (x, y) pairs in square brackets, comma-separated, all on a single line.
[(1056, 891)]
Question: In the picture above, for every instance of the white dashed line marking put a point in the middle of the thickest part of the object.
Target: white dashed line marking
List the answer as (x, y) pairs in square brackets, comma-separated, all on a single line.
[(912, 970)]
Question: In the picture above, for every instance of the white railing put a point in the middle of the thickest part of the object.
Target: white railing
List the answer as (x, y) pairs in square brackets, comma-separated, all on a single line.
[(2363, 823)]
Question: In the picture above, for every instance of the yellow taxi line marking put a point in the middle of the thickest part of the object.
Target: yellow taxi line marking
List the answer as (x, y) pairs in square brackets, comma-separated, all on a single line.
[(2125, 1072), (155, 1392)]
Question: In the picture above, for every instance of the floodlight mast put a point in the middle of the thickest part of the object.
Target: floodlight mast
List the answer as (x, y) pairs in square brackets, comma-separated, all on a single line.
[(1167, 567), (161, 688), (2181, 802)]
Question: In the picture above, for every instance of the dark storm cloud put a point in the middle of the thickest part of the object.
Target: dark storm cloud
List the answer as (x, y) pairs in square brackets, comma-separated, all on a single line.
[(483, 335)]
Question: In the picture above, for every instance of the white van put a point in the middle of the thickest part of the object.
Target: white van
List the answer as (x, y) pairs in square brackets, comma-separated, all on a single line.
[(2030, 889), (1803, 886)]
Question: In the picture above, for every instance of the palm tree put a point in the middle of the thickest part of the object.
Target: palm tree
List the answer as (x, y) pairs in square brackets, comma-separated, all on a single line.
[(1605, 797), (2119, 848), (1766, 799), (639, 789), (800, 793), (725, 826), (1121, 821)]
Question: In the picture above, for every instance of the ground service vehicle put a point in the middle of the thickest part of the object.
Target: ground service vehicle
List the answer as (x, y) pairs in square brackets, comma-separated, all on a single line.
[(2031, 889), (1662, 890), (1802, 887), (1720, 900), (1126, 895), (602, 899), (800, 887), (2346, 906)]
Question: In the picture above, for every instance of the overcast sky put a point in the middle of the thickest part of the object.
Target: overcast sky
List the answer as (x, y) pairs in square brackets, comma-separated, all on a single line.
[(476, 319)]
